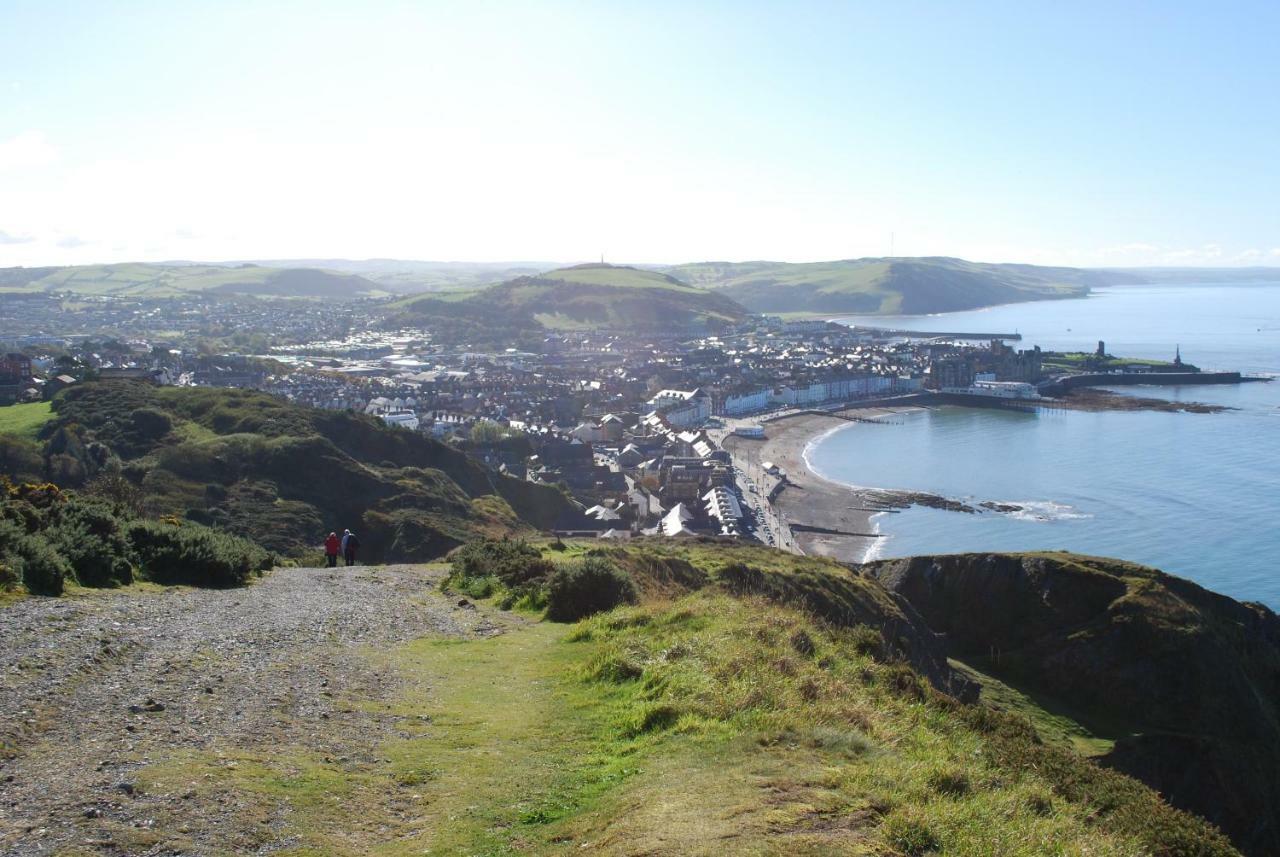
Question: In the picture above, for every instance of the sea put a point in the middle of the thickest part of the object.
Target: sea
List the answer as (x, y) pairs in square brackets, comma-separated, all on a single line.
[(1197, 495)]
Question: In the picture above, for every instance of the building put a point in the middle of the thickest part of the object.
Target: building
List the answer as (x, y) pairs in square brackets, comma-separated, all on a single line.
[(15, 377)]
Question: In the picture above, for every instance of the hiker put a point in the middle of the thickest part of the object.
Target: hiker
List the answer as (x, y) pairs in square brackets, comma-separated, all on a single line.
[(350, 544), (331, 546)]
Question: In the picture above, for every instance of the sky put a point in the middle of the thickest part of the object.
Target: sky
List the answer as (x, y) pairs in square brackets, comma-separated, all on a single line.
[(1092, 134)]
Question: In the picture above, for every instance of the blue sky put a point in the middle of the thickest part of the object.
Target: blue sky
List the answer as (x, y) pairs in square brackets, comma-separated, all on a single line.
[(1060, 133)]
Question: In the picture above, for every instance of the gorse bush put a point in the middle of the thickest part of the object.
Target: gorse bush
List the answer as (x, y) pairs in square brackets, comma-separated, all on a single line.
[(590, 586), (569, 592), (195, 555), (31, 560), (48, 537), (514, 562), (91, 537)]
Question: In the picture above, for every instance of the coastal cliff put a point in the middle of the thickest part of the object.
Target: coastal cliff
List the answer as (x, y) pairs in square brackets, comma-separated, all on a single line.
[(1186, 680)]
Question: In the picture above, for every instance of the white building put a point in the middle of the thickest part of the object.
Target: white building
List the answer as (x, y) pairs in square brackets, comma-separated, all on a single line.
[(401, 419)]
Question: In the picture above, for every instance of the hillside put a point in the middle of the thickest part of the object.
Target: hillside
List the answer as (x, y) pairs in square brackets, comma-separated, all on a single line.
[(593, 296), (908, 286), (283, 475), (749, 702), (1184, 683), (135, 279)]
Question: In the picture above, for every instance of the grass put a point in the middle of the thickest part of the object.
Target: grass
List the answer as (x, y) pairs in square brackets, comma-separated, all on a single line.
[(24, 420), (621, 277), (1054, 720), (700, 724)]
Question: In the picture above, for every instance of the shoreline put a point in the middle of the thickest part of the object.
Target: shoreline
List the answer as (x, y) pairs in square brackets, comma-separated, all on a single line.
[(827, 518)]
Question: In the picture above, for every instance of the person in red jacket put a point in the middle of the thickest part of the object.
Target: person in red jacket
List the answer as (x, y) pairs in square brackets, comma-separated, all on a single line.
[(331, 550)]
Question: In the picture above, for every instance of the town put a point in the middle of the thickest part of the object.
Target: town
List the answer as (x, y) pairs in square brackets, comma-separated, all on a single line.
[(630, 426)]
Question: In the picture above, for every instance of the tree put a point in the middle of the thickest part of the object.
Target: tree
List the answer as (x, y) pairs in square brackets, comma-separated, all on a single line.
[(487, 431)]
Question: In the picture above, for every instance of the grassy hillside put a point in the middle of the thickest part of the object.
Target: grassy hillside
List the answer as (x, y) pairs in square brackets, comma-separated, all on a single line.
[(135, 279), (283, 475), (884, 286), (581, 297), (712, 717), (1184, 682)]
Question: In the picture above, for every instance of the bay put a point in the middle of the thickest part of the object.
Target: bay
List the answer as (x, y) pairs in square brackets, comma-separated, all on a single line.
[(1197, 495)]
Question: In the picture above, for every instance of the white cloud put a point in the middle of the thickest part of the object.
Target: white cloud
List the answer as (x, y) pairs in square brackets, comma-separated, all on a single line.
[(28, 149), (1196, 255), (1250, 255), (10, 238)]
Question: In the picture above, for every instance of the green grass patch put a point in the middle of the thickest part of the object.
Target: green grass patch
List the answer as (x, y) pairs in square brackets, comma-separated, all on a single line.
[(25, 420)]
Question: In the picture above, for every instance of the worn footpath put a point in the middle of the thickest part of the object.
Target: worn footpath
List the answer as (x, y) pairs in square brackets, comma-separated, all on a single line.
[(97, 687)]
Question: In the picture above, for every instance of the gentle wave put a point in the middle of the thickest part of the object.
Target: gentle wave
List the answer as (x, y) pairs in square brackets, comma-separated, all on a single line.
[(1043, 511)]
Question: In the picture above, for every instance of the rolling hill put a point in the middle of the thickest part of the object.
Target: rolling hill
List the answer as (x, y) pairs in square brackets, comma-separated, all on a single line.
[(872, 286), (594, 296), (136, 279)]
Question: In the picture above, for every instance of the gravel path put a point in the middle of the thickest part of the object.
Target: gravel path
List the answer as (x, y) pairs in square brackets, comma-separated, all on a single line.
[(96, 687)]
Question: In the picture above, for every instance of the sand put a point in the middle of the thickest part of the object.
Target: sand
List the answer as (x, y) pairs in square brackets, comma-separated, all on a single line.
[(806, 499)]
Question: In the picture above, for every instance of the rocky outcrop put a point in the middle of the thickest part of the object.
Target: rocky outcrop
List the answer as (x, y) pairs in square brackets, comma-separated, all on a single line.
[(1193, 677)]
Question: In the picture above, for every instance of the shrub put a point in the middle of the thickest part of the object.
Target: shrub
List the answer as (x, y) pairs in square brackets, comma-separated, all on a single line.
[(515, 563), (92, 539), (150, 424), (590, 586), (32, 560), (195, 555)]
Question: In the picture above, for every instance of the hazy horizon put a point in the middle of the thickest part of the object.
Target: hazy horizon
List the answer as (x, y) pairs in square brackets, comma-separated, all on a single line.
[(545, 265), (1092, 136)]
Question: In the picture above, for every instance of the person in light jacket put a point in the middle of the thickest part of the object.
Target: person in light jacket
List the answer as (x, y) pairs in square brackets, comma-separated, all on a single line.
[(350, 544)]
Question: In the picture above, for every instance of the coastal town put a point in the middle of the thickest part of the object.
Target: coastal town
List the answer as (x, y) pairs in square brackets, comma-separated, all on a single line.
[(672, 435)]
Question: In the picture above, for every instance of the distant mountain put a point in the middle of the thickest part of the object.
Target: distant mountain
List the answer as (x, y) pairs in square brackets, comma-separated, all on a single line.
[(409, 276), (170, 279), (887, 286), (594, 296)]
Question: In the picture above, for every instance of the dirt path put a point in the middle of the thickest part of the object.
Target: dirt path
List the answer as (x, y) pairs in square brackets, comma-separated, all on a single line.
[(95, 688)]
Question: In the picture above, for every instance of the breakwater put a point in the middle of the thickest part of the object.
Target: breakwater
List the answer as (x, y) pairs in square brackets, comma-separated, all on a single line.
[(933, 334), (1134, 379)]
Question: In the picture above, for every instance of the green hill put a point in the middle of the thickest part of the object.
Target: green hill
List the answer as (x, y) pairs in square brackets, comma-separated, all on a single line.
[(136, 279), (281, 474), (595, 296), (885, 286)]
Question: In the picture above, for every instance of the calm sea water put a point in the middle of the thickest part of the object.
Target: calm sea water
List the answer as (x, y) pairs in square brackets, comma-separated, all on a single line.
[(1195, 494)]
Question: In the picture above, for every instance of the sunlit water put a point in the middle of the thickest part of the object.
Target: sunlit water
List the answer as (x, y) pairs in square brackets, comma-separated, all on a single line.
[(1195, 494)]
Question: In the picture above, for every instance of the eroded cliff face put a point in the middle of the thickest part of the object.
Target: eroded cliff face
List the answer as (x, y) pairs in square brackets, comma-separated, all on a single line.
[(1193, 677)]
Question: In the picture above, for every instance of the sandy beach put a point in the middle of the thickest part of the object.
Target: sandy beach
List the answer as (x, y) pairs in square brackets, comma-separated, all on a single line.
[(806, 500)]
